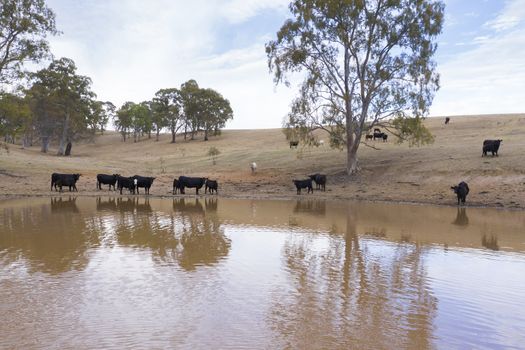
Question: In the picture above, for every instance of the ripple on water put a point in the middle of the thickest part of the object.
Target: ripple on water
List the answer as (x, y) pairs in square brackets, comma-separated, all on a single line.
[(256, 274)]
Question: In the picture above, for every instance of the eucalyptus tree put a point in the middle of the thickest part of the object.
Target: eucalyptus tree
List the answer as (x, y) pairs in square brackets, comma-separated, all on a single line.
[(146, 118), (191, 106), (140, 125), (167, 111), (15, 117), (215, 111), (24, 27), (101, 114), (123, 119), (364, 63), (69, 97)]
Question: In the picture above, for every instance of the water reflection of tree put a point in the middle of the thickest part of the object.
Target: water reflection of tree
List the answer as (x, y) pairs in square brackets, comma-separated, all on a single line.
[(202, 239), (490, 242), (48, 238), (349, 296)]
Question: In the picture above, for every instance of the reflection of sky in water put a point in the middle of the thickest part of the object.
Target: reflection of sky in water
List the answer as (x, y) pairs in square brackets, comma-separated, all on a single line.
[(480, 293), (283, 274)]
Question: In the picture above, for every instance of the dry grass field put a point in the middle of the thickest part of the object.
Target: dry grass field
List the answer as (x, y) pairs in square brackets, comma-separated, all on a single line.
[(392, 172)]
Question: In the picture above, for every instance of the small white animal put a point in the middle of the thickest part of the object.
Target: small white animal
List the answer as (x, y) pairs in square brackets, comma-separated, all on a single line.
[(321, 142), (253, 166)]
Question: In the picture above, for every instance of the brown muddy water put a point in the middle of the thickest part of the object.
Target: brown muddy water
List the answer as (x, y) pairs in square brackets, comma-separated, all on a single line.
[(117, 273)]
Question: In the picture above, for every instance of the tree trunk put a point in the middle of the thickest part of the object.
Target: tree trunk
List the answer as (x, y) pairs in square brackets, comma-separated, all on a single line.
[(63, 139), (352, 164), (173, 134), (205, 134), (68, 149), (45, 144), (352, 144), (157, 135)]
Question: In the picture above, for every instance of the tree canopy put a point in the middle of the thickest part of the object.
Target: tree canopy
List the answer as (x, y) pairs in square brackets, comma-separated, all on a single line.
[(24, 26), (191, 107), (365, 64), (62, 100)]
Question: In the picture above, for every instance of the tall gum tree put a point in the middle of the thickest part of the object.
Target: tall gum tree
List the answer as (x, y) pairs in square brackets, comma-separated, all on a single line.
[(68, 97), (365, 63), (24, 27)]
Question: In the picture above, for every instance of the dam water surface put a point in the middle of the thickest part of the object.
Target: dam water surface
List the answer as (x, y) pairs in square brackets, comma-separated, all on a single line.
[(207, 273)]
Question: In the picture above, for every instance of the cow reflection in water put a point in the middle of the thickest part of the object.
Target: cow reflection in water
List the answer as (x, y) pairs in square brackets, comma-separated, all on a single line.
[(359, 288), (47, 238), (202, 240), (133, 204), (189, 236), (64, 205), (310, 206), (107, 205), (461, 217), (210, 204)]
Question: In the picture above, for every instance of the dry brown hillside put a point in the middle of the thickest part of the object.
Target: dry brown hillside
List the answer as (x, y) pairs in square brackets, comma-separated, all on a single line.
[(392, 173)]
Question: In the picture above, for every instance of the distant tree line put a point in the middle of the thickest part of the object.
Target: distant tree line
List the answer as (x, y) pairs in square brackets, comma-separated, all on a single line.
[(56, 104), (188, 110)]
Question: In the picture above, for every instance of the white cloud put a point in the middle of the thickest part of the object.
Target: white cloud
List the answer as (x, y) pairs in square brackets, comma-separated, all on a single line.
[(486, 79), (512, 15), (240, 10), (132, 48), (488, 75)]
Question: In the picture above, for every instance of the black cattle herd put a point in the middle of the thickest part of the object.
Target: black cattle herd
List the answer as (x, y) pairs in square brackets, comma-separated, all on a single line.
[(134, 183)]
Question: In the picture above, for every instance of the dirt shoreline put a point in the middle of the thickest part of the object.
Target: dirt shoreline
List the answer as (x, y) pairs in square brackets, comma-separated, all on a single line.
[(390, 172), (251, 196)]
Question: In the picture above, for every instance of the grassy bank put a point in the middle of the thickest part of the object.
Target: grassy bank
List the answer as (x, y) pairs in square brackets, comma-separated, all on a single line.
[(391, 172)]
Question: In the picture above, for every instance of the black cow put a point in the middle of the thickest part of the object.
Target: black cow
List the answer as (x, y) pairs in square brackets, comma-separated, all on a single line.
[(54, 178), (191, 182), (299, 184), (294, 144), (103, 179), (385, 137), (320, 181), (369, 137), (491, 146), (126, 182), (461, 190), (143, 181), (447, 120), (61, 180), (378, 135), (211, 185), (176, 186)]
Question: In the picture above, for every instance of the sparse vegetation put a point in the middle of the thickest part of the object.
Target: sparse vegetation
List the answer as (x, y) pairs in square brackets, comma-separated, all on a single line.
[(213, 153), (390, 171)]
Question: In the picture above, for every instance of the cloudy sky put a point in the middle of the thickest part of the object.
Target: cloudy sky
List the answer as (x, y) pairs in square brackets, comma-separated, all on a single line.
[(132, 48)]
